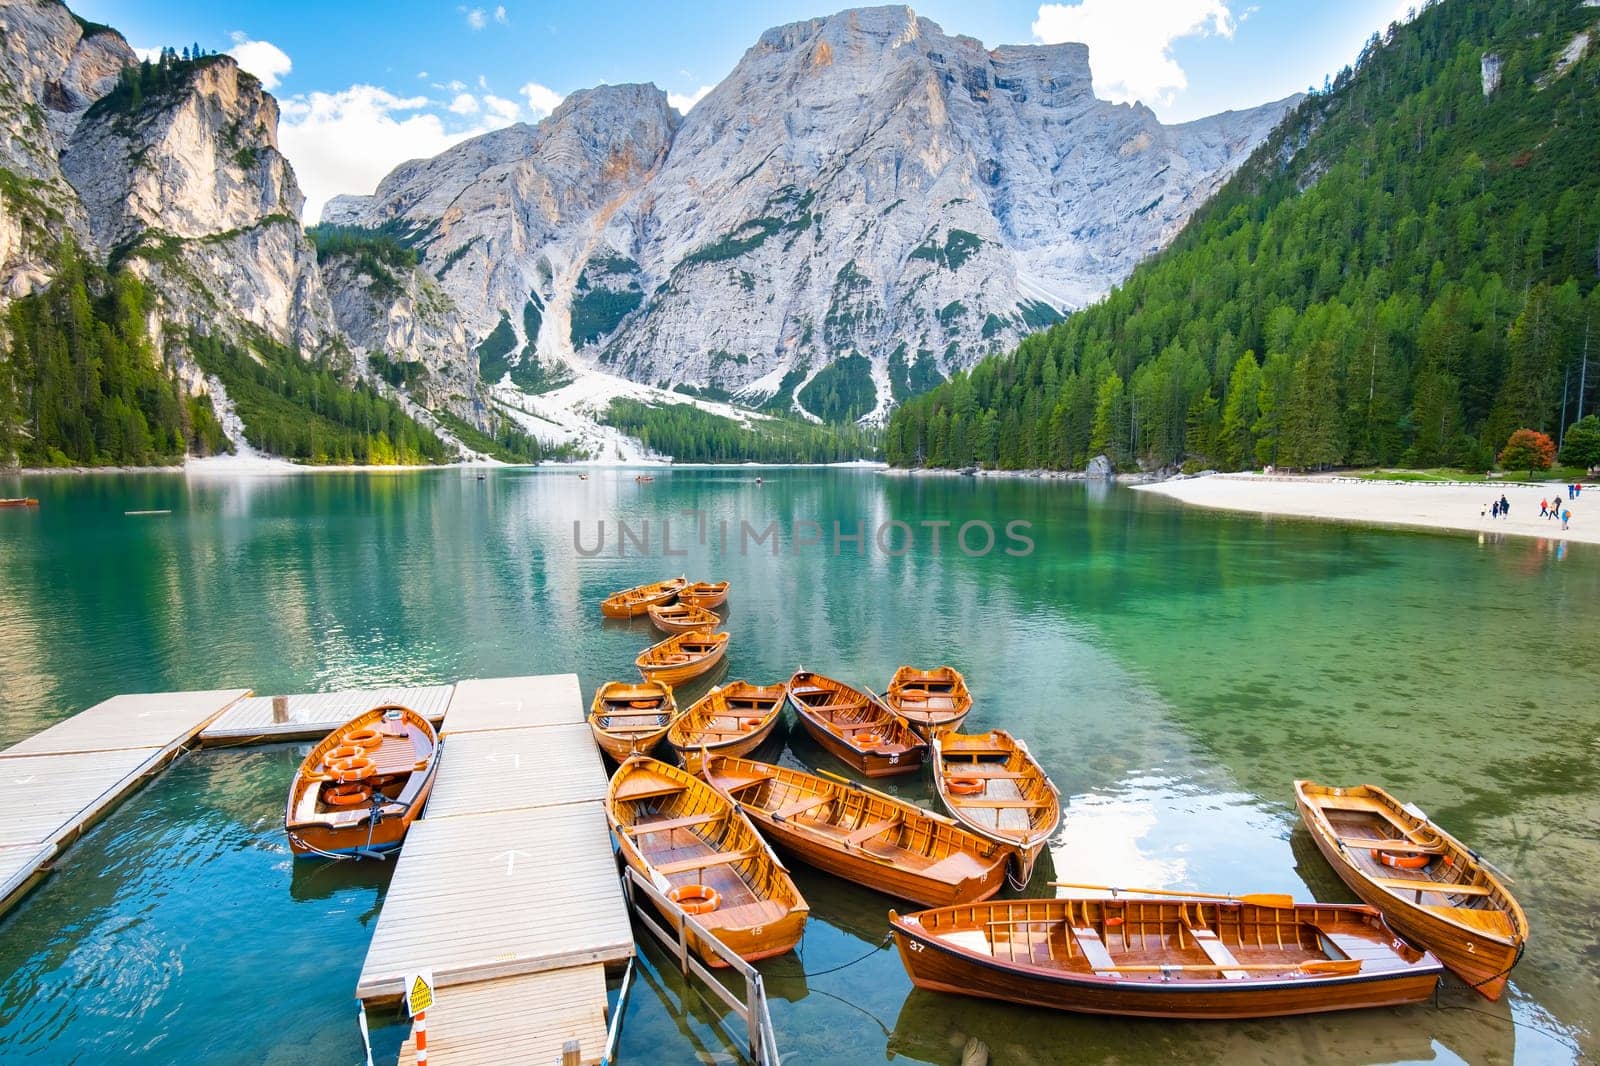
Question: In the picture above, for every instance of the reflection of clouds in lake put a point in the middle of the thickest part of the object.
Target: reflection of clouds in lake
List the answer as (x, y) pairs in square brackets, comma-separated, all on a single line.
[(1100, 843)]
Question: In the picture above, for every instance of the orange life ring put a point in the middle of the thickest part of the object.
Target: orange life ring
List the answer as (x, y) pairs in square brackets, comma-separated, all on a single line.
[(1401, 862), (346, 751), (350, 795), (354, 768), (696, 899), (868, 740), (748, 725), (364, 738), (964, 786)]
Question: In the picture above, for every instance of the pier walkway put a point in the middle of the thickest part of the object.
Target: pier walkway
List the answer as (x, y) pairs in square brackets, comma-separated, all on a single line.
[(58, 783), (507, 888)]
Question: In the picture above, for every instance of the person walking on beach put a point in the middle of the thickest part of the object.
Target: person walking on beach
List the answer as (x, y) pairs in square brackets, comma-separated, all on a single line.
[(1544, 508), (1566, 516), (1505, 506), (1494, 509)]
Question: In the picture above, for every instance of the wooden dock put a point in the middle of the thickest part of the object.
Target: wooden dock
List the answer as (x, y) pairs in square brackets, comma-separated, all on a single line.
[(507, 888), (58, 783), (313, 715)]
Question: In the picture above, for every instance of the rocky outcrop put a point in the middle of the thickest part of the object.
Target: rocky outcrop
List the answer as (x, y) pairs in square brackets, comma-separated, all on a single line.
[(401, 322), (859, 184)]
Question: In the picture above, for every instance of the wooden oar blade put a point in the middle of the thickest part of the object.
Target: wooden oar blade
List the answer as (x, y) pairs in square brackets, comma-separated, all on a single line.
[(1333, 967), (1258, 899)]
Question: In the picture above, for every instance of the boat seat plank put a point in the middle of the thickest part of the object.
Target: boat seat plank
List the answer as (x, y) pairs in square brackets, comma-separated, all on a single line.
[(955, 769), (828, 708), (1492, 922), (1414, 884), (1093, 949), (725, 858), (666, 825), (1397, 847), (640, 787), (1218, 953), (874, 830), (801, 806)]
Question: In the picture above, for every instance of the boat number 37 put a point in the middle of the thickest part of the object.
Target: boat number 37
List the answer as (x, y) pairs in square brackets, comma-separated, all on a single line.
[(914, 945)]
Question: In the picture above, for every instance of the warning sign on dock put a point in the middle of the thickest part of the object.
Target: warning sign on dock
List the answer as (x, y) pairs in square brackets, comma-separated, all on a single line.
[(419, 992)]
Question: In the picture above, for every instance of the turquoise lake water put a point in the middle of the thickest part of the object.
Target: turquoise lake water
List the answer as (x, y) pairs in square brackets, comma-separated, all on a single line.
[(1174, 669)]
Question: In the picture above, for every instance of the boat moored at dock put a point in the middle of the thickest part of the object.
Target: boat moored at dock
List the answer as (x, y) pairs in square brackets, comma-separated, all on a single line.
[(682, 657), (932, 701), (631, 603), (681, 617), (855, 726), (358, 790), (1165, 957), (994, 786), (707, 594), (631, 717), (1434, 890), (705, 856), (732, 719), (863, 835)]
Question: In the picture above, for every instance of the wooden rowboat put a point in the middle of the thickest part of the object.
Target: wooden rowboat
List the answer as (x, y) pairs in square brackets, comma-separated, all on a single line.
[(933, 701), (19, 501), (681, 617), (630, 717), (863, 835), (732, 719), (1165, 957), (996, 788), (682, 657), (358, 791), (707, 594), (631, 603), (854, 726), (704, 855), (1433, 889)]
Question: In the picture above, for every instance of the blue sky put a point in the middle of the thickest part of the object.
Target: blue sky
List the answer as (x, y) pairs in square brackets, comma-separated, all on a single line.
[(365, 85)]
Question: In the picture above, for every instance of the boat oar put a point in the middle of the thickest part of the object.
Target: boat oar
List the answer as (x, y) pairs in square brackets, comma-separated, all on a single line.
[(1259, 899), (1323, 966), (858, 786)]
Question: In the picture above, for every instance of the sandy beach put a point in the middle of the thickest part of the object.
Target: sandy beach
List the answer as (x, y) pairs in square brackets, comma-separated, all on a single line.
[(1392, 503)]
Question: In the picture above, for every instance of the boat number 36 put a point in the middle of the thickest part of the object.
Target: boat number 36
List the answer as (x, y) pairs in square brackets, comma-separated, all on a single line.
[(894, 758)]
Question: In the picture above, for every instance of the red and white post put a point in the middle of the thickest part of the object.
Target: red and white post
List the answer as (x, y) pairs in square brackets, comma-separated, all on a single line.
[(420, 1028)]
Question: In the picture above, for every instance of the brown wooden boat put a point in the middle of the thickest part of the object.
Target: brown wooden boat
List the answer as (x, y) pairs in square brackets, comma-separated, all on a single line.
[(854, 726), (681, 617), (1433, 889), (1165, 957), (996, 788), (862, 834), (630, 717), (631, 603), (19, 501), (732, 719), (682, 657), (644, 478), (358, 791), (933, 701), (705, 856), (707, 594)]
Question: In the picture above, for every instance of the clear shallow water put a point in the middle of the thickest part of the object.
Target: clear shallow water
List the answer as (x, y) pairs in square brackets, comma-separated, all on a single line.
[(1174, 669)]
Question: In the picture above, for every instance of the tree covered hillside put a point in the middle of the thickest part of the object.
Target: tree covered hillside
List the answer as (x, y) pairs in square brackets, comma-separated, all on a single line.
[(1403, 273)]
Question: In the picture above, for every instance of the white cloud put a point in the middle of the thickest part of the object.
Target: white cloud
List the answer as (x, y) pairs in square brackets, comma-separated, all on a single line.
[(262, 58), (465, 104), (1130, 44), (541, 100), (475, 17), (684, 103), (500, 15), (422, 74), (147, 54), (502, 109), (344, 142)]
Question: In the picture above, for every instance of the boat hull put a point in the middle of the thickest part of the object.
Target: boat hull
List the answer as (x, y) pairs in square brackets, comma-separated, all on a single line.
[(870, 763), (621, 749), (1483, 963), (693, 620), (709, 599), (933, 966), (883, 877), (693, 755), (316, 840), (678, 673)]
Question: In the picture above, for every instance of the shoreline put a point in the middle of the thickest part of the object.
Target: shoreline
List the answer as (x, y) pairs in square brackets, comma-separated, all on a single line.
[(1439, 506)]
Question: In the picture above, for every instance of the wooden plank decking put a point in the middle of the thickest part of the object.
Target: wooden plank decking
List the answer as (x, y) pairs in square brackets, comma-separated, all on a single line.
[(522, 1019), (515, 703), (314, 715), (507, 769), (57, 783)]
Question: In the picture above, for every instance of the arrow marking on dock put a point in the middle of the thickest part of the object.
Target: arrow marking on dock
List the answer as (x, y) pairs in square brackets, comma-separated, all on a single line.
[(511, 859)]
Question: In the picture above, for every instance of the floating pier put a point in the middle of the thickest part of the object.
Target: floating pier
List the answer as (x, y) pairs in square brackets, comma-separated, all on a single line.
[(507, 888), (58, 783)]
